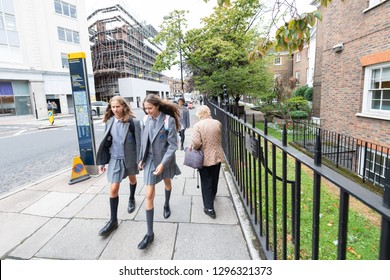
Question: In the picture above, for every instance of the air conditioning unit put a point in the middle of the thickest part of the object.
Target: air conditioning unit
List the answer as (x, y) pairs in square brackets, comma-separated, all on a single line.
[(338, 48)]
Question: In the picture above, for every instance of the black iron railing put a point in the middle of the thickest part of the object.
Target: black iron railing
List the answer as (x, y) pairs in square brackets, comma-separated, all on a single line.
[(272, 179), (363, 158)]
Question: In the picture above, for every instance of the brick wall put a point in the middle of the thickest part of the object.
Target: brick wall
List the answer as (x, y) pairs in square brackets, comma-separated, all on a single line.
[(285, 69), (339, 77), (301, 66)]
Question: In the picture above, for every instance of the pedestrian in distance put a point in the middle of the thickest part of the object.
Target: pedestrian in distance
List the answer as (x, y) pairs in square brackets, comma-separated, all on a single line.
[(207, 136), (157, 158), (120, 149), (184, 121)]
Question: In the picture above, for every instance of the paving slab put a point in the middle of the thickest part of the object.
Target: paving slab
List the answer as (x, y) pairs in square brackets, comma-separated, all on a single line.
[(177, 187), (210, 242), (50, 204), (51, 181), (75, 206), (180, 209), (99, 207), (191, 187), (80, 187), (31, 245), (124, 242), (224, 210), (124, 188), (15, 228), (20, 200), (78, 240)]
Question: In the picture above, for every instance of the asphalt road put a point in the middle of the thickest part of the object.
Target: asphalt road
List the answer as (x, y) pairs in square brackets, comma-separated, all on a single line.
[(30, 153)]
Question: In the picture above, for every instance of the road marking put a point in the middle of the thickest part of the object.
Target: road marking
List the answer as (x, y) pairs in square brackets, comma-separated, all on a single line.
[(20, 132)]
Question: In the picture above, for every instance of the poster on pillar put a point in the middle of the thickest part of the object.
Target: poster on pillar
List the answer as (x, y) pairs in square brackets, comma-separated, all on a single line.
[(82, 105)]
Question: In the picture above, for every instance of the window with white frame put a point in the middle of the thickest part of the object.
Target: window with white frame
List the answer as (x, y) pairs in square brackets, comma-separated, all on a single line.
[(68, 35), (8, 32), (64, 8), (376, 97), (298, 57), (278, 61), (373, 165), (297, 75)]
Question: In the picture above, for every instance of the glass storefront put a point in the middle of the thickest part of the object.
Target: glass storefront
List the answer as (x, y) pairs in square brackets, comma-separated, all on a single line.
[(15, 98)]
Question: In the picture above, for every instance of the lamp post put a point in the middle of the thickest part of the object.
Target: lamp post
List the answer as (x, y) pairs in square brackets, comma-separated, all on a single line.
[(181, 58)]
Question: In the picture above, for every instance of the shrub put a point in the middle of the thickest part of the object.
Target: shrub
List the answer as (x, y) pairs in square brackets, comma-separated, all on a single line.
[(304, 91), (300, 91), (298, 103), (308, 94), (299, 115)]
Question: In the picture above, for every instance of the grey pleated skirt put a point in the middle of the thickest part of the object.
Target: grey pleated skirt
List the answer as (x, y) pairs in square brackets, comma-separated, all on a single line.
[(116, 171), (151, 179)]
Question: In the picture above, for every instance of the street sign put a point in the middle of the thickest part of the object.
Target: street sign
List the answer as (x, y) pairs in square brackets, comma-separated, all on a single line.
[(82, 109), (252, 145)]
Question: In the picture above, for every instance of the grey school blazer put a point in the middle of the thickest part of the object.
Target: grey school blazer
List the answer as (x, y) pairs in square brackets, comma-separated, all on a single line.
[(132, 148), (164, 143)]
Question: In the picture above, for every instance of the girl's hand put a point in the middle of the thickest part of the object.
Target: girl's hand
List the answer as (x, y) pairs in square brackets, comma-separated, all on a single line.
[(102, 169), (159, 169), (141, 166)]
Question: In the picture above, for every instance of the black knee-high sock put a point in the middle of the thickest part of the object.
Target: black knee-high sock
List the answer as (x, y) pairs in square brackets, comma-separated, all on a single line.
[(149, 220), (114, 201), (132, 190), (167, 197)]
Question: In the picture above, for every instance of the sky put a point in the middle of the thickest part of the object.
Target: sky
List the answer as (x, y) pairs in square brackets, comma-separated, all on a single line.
[(153, 11)]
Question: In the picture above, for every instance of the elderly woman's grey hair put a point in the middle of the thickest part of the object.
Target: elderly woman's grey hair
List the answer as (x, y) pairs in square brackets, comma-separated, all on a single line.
[(203, 112)]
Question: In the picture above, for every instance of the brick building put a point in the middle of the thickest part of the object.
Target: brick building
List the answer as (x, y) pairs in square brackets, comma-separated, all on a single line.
[(352, 72), (300, 60), (281, 65)]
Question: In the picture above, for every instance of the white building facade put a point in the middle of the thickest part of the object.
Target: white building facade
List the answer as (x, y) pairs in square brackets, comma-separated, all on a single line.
[(135, 90), (35, 39)]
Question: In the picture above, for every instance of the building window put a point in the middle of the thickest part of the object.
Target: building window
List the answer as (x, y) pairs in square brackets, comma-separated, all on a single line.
[(64, 8), (376, 97), (68, 35), (8, 32), (64, 60), (278, 61), (298, 57), (375, 165), (297, 75)]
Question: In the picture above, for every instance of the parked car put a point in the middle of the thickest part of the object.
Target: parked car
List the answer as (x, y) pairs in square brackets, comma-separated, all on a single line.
[(102, 105)]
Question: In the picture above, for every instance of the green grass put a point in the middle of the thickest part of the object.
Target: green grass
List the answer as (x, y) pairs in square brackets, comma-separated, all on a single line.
[(363, 236)]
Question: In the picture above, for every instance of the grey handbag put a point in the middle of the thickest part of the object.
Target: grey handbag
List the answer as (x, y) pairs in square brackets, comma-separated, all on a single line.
[(193, 158)]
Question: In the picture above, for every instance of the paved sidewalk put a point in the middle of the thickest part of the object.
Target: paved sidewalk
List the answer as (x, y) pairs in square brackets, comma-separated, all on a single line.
[(51, 219)]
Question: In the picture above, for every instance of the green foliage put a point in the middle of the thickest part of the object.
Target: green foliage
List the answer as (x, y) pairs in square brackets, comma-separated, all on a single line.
[(304, 91), (298, 103), (309, 94), (217, 53), (300, 91), (299, 115)]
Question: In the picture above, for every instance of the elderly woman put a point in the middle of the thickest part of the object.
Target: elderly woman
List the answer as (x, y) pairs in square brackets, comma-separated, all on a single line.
[(207, 136)]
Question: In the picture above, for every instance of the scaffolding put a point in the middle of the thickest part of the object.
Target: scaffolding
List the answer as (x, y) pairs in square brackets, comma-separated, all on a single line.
[(121, 47)]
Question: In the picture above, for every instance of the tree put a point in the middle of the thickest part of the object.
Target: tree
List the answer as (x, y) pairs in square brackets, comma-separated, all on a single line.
[(216, 54), (292, 35)]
